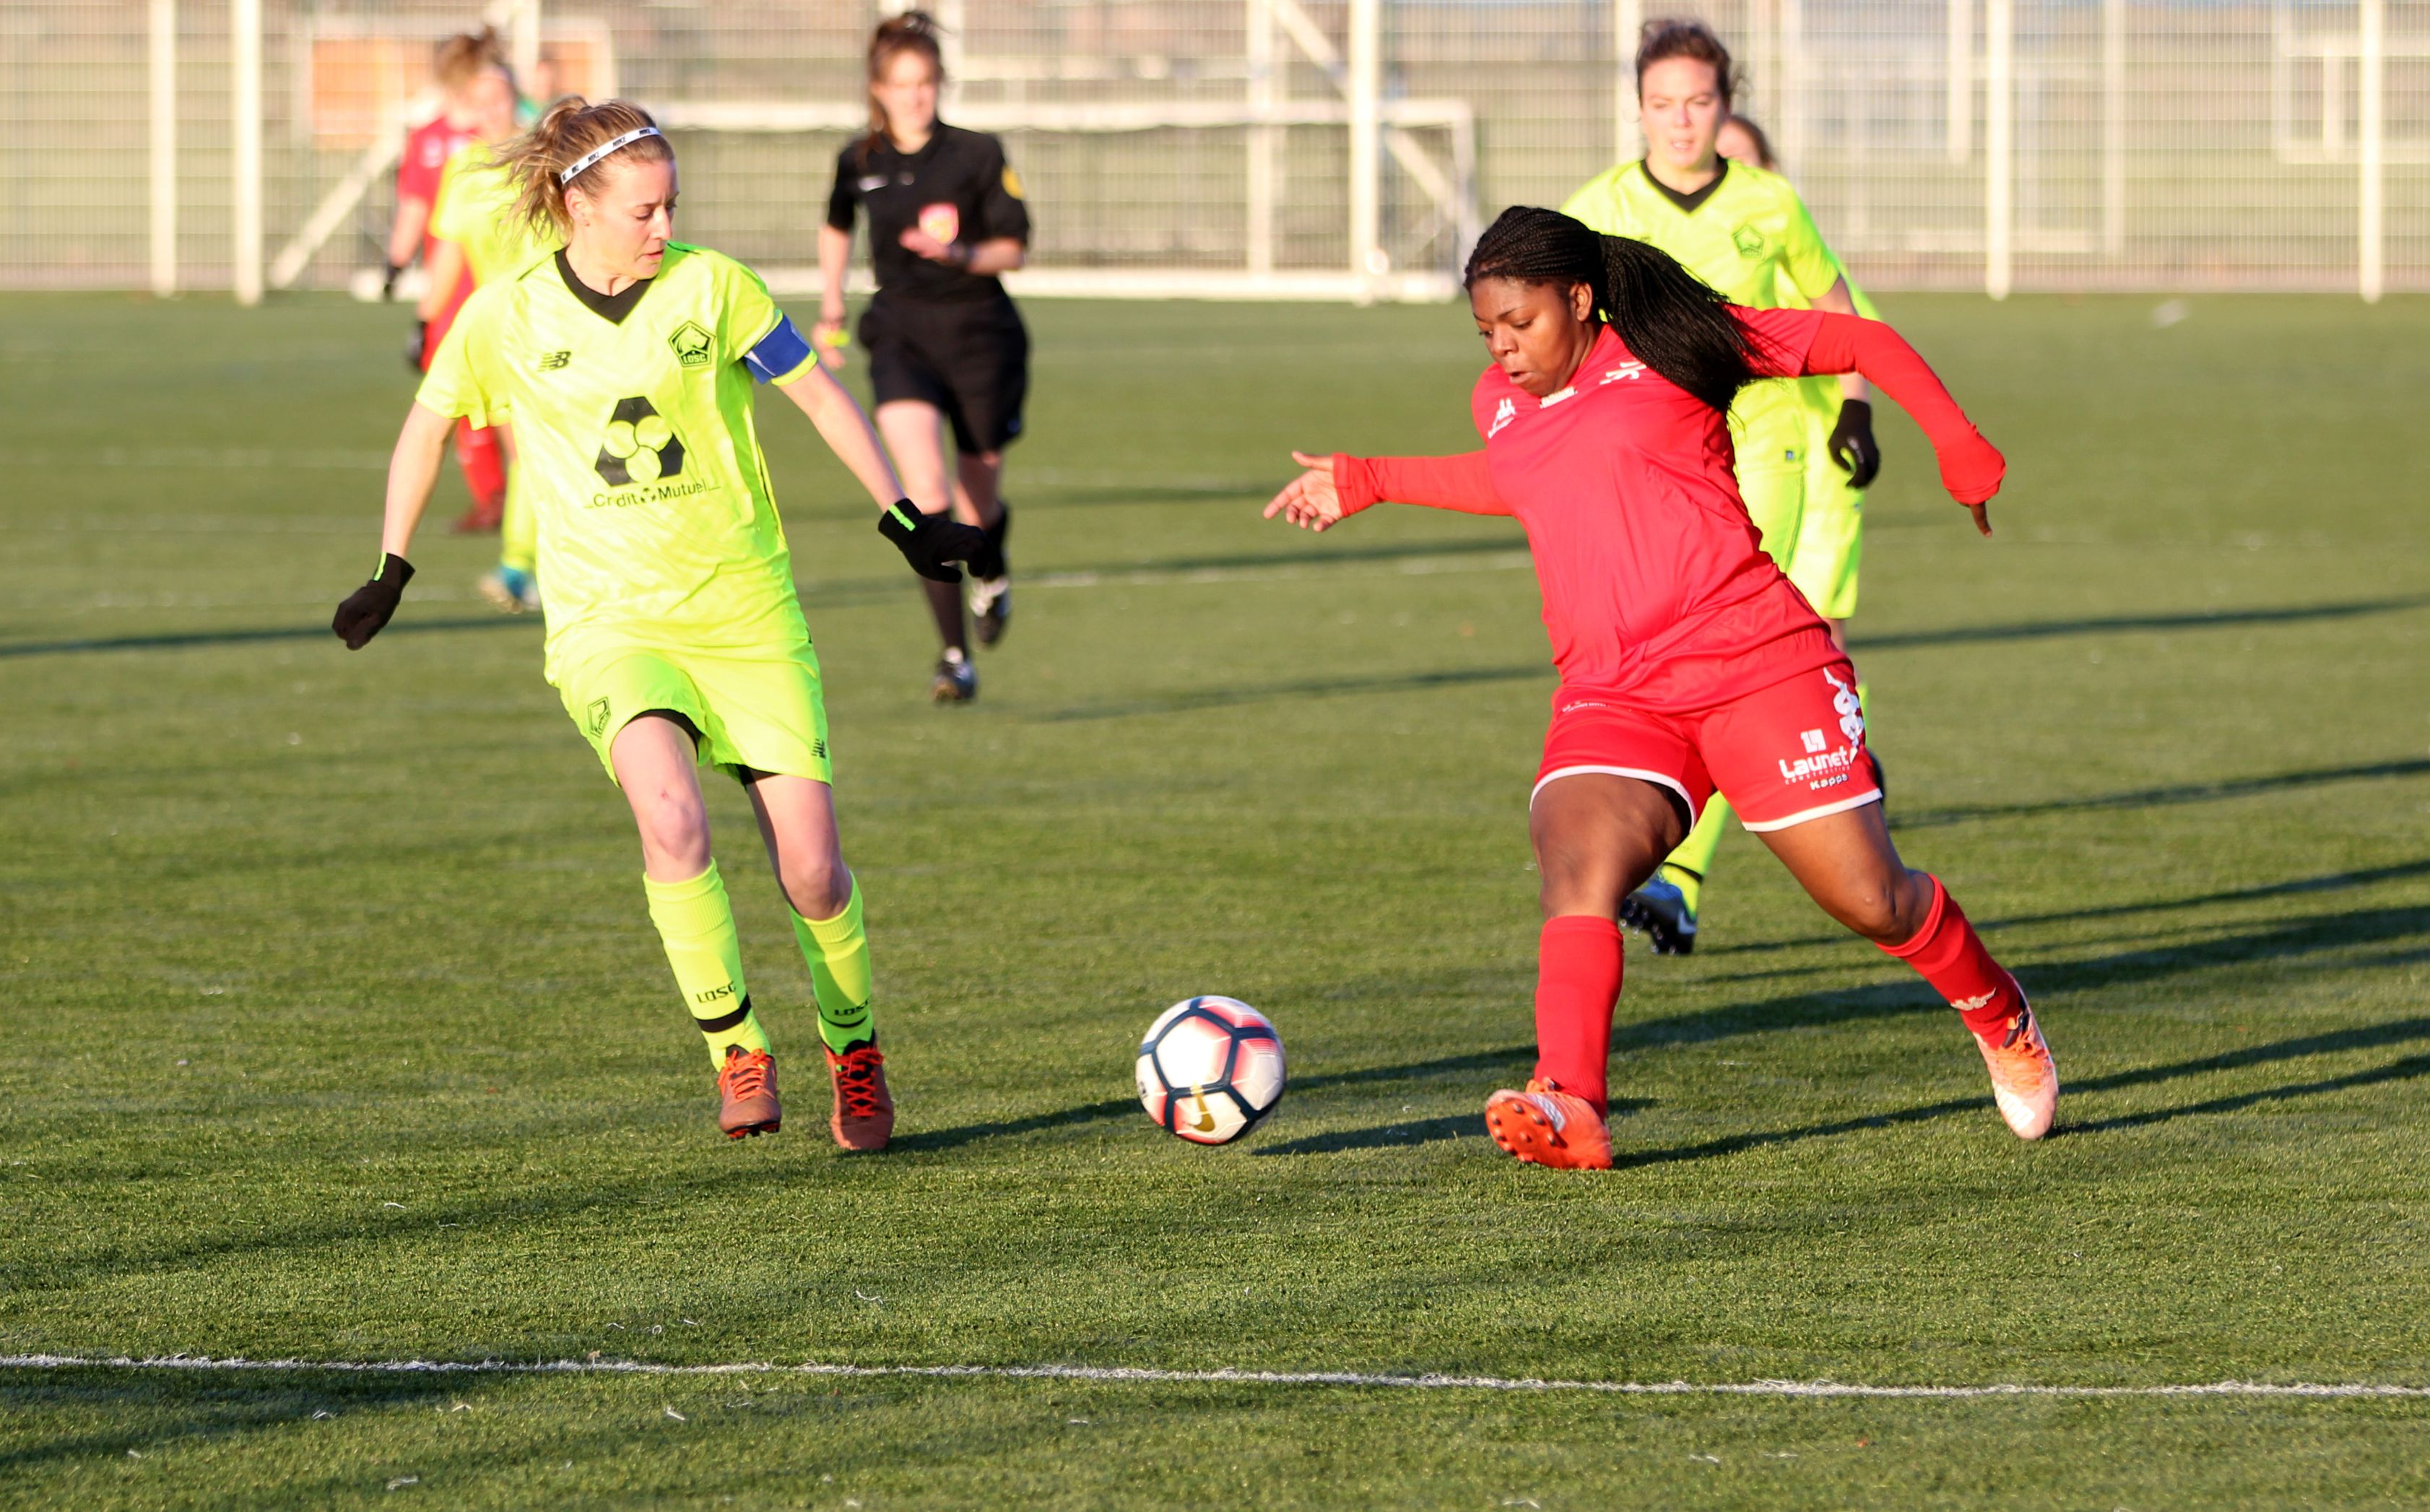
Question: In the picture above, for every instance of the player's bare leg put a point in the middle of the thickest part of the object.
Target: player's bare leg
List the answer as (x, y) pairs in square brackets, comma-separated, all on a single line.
[(656, 767), (1847, 864), (1596, 836), (797, 823), (978, 500), (914, 432)]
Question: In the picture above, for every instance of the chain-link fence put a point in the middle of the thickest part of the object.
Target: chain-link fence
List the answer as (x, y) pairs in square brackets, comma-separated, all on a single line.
[(1279, 146)]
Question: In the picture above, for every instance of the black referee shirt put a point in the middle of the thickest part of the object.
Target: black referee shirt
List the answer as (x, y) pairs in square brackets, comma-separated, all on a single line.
[(957, 187)]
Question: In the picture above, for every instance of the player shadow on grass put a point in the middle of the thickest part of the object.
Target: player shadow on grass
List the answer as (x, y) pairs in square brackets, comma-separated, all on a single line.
[(2408, 1069), (187, 639), (2045, 979), (2327, 881), (165, 1411)]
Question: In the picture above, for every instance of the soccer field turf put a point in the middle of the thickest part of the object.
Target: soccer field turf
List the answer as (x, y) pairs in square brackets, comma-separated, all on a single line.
[(337, 1030)]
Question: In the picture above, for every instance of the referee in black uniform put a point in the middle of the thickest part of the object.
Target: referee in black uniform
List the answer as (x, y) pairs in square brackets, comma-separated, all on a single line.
[(946, 347)]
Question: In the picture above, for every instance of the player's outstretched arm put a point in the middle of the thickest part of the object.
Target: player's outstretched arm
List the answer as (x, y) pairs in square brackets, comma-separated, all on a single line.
[(413, 471), (1338, 485), (1792, 343), (928, 541)]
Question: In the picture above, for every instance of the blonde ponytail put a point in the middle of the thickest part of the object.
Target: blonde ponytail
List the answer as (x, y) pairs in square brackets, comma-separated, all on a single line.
[(571, 131)]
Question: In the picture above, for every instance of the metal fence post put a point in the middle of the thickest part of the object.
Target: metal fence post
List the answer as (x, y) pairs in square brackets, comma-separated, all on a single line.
[(1999, 147), (1627, 20), (245, 111), (164, 147), (1366, 169), (2113, 127), (2370, 126), (1960, 131)]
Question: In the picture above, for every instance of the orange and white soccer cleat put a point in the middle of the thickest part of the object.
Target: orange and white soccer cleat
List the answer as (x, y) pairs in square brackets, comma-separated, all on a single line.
[(746, 1092), (864, 1110), (1546, 1127), (2024, 1078)]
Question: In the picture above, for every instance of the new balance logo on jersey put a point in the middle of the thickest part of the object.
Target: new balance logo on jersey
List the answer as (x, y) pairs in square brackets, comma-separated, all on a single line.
[(553, 362), (1503, 415), (638, 445)]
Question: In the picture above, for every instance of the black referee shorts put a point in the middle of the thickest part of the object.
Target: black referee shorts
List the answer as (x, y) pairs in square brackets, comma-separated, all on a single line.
[(969, 360)]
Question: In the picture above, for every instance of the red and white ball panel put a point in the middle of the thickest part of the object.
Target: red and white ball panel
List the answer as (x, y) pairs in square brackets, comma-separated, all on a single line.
[(1210, 1068)]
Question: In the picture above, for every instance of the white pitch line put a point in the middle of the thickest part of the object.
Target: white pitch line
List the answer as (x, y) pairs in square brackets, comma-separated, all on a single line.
[(1132, 1375)]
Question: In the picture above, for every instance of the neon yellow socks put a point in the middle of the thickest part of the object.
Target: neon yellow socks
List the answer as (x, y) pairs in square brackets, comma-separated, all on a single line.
[(519, 530), (696, 923), (838, 951), (1692, 862)]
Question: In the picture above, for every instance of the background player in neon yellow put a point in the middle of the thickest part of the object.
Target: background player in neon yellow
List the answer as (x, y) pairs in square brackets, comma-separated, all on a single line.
[(675, 636), (1746, 233), (1830, 532), (479, 237)]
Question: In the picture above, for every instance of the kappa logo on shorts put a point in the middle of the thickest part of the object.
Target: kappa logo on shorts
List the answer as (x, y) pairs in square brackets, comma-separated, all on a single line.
[(693, 347), (639, 446), (598, 718)]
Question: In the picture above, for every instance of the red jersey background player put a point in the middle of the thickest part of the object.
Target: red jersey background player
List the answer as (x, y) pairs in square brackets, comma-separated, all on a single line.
[(466, 65), (1689, 663)]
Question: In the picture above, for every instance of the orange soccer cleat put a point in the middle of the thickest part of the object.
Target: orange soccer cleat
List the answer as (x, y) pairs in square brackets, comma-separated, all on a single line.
[(864, 1110), (1546, 1127), (2024, 1078), (746, 1090)]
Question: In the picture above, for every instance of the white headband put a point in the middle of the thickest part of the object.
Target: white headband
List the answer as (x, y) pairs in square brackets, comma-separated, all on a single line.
[(595, 154)]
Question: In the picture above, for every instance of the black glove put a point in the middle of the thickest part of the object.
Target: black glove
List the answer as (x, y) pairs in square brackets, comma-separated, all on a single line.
[(1852, 444), (387, 284), (991, 564), (415, 344), (928, 541), (369, 606)]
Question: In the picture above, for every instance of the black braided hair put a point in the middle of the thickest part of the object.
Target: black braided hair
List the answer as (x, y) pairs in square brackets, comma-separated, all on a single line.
[(1669, 318)]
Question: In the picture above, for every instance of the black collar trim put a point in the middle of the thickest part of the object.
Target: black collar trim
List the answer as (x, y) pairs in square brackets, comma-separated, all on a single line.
[(609, 308), (1687, 203)]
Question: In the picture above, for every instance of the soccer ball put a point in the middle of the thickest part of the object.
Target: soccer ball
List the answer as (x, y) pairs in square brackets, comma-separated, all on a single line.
[(1209, 1069)]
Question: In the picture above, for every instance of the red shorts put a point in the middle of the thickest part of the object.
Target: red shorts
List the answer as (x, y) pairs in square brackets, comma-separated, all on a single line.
[(1781, 755)]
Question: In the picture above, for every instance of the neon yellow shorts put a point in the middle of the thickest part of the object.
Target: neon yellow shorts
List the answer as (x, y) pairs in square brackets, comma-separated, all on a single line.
[(1830, 538), (754, 710)]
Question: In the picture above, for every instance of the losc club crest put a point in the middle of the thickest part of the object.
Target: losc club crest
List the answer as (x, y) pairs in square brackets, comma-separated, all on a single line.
[(693, 346), (639, 446), (1749, 241)]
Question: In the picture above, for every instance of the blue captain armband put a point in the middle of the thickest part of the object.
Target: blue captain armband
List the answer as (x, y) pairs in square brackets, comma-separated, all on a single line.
[(780, 353)]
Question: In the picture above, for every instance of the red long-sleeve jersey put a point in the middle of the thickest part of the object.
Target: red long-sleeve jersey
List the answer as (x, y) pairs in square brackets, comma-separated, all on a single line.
[(1655, 582)]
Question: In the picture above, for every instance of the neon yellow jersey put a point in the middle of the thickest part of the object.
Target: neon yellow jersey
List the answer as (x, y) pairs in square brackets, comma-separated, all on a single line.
[(475, 210), (1749, 237), (634, 439)]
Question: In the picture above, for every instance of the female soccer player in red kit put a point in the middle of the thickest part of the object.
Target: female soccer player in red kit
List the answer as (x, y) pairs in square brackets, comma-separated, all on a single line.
[(1689, 664)]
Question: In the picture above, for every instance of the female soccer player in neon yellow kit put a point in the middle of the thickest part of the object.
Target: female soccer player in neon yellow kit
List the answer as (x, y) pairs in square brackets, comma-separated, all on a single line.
[(1745, 232), (675, 636)]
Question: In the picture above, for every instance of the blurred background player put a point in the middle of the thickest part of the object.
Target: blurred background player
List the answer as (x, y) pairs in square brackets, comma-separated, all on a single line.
[(1830, 530), (676, 637), (460, 64), (946, 345), (1744, 231), (478, 239)]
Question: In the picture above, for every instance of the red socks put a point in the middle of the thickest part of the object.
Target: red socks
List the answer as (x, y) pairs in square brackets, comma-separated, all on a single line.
[(1948, 954), (484, 463), (1577, 981)]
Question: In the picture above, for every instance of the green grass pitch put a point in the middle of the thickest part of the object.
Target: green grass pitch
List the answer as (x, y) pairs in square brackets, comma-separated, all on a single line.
[(336, 1029)]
